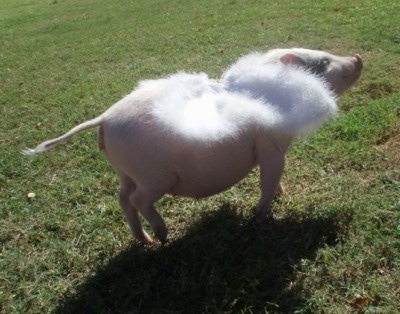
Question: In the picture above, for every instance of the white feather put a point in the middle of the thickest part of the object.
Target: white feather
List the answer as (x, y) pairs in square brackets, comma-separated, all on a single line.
[(271, 96), (198, 108)]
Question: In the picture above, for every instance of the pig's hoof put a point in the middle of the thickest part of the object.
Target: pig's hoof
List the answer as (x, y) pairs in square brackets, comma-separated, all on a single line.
[(148, 241), (263, 216), (260, 218), (280, 189), (161, 235), (144, 237)]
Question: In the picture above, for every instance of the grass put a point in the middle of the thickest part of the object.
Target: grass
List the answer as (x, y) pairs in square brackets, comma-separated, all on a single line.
[(333, 245)]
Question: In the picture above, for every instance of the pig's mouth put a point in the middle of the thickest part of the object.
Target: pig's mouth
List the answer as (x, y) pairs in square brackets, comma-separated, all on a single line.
[(351, 75)]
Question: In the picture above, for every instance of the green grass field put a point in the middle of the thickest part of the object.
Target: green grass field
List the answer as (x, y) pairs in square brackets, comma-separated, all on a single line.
[(334, 243)]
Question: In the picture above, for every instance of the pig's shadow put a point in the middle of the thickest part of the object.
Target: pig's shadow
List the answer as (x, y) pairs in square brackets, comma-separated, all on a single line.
[(224, 263)]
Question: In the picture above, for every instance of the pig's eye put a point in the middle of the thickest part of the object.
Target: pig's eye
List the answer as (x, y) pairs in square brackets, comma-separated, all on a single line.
[(325, 61), (319, 66)]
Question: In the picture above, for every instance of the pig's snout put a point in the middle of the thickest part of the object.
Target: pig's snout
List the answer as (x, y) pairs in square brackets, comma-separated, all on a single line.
[(347, 72), (358, 62), (353, 70)]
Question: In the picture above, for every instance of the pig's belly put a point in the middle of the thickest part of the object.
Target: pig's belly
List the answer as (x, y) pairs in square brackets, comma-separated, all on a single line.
[(161, 162), (211, 170)]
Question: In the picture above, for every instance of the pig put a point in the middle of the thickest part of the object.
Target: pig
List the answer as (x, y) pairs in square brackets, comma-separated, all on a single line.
[(188, 135)]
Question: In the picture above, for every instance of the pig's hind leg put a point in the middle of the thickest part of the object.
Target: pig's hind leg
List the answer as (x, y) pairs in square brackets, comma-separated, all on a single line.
[(144, 201), (128, 187)]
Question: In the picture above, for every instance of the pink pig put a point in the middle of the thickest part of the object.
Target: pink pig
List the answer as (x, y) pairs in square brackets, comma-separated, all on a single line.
[(190, 136)]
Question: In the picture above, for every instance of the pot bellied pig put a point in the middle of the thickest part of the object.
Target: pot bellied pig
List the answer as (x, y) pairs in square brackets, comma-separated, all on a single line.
[(190, 136)]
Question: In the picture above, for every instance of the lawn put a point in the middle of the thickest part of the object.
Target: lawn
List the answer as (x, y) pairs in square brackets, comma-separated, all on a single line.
[(333, 245)]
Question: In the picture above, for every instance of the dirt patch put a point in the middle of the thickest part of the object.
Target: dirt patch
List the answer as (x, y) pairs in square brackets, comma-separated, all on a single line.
[(390, 146), (378, 89)]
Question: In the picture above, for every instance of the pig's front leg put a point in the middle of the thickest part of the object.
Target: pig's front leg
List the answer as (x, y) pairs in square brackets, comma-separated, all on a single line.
[(271, 159)]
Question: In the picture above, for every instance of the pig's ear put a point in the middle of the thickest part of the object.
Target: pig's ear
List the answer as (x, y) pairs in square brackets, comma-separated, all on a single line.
[(290, 58)]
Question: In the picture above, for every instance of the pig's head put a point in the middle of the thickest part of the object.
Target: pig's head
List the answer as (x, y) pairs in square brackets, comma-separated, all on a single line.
[(340, 72)]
